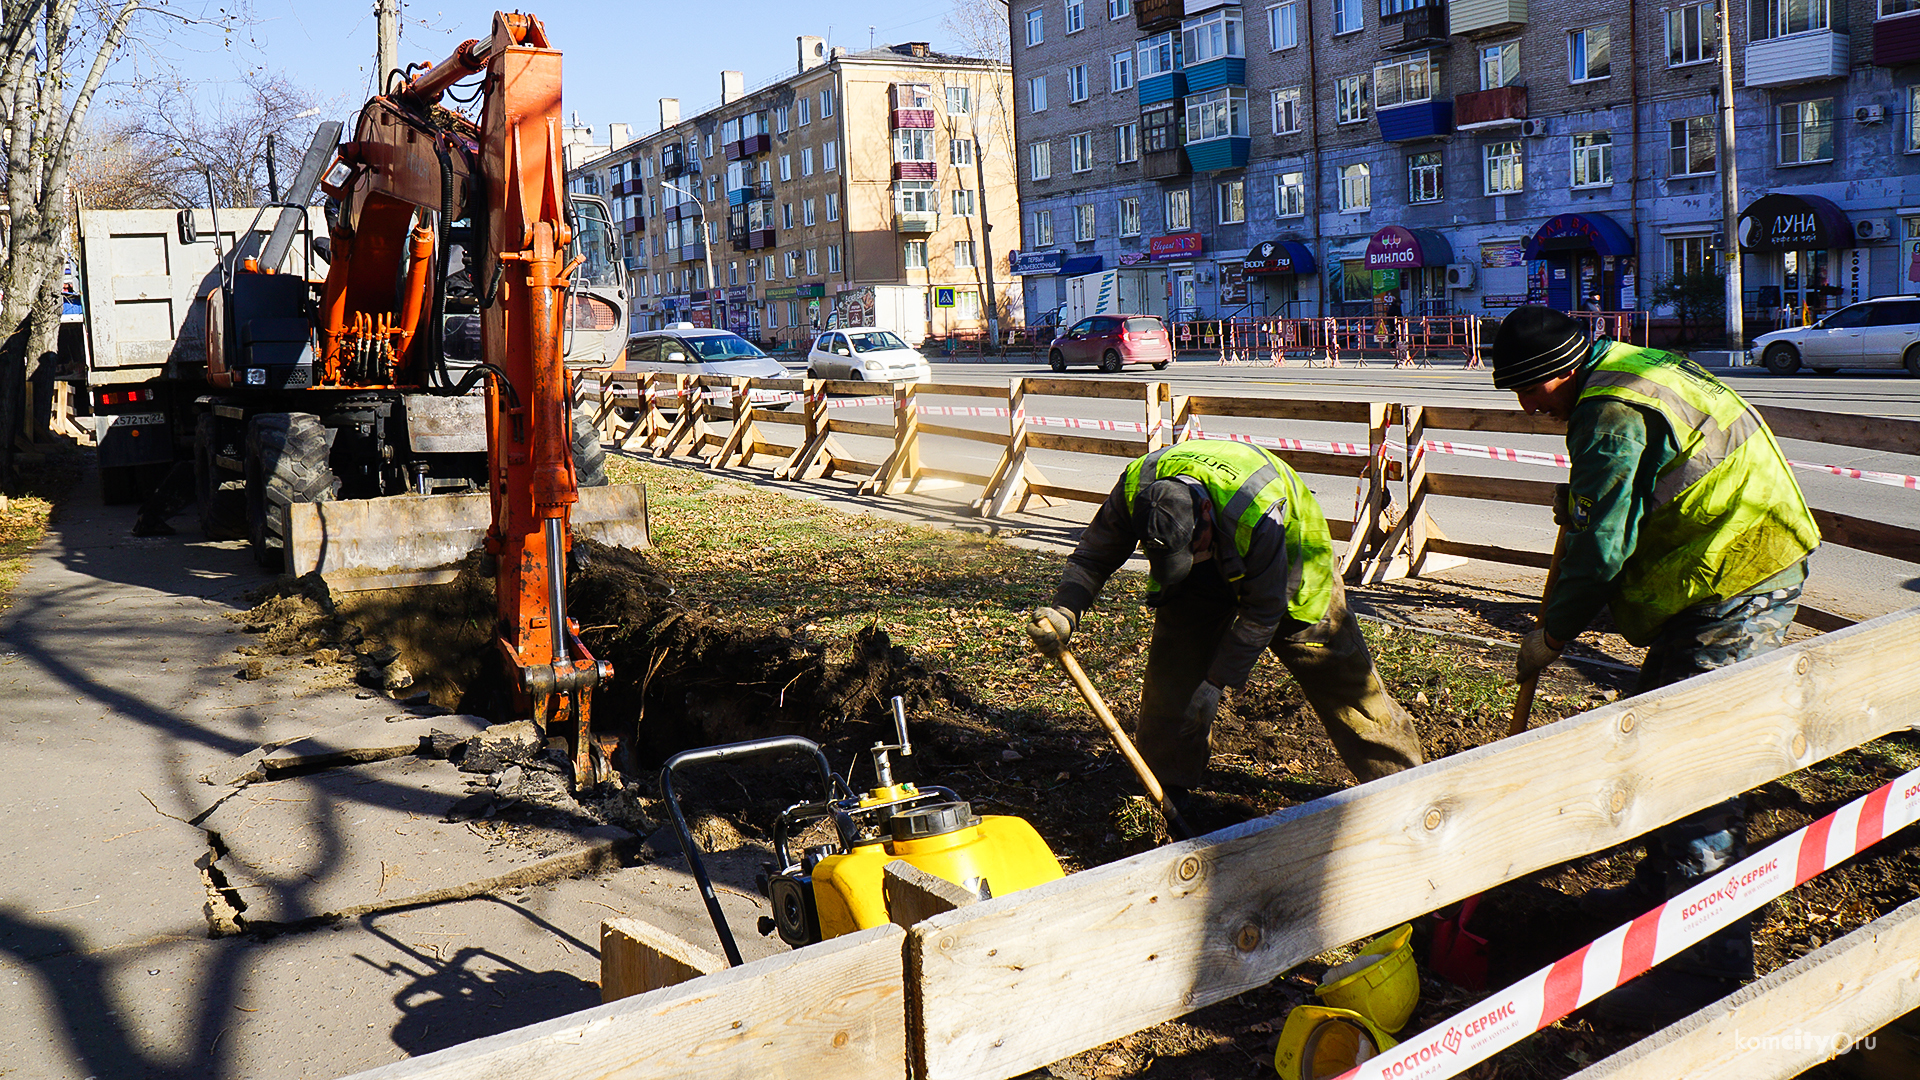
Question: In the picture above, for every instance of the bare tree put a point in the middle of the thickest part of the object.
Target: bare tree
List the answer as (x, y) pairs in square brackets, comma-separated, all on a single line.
[(229, 138), (983, 30), (118, 166)]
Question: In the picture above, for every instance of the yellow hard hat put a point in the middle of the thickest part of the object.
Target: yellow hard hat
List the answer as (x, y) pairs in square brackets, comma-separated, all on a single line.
[(1318, 1042), (1380, 984)]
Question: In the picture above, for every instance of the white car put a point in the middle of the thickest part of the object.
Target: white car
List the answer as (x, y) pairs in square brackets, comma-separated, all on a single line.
[(867, 353), (1883, 333)]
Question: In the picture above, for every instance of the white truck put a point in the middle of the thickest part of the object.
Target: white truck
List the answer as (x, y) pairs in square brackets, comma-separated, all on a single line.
[(899, 308), (1126, 291)]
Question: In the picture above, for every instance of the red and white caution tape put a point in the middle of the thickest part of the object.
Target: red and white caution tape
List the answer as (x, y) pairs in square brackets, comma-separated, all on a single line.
[(1344, 449), (1549, 994), (1096, 425), (963, 410), (1911, 483), (1496, 453)]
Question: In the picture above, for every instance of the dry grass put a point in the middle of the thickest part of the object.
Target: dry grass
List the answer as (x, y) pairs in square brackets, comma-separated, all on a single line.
[(30, 505)]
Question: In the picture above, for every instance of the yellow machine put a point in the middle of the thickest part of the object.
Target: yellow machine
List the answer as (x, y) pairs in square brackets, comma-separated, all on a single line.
[(835, 888)]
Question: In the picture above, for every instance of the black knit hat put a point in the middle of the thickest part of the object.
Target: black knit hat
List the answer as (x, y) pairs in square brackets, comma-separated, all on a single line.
[(1163, 515), (1535, 344)]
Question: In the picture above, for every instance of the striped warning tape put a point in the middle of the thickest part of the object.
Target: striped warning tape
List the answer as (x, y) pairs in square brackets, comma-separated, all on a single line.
[(1549, 994), (1911, 483), (1345, 449)]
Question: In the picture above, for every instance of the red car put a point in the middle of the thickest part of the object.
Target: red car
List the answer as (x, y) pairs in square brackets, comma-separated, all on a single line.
[(1112, 342)]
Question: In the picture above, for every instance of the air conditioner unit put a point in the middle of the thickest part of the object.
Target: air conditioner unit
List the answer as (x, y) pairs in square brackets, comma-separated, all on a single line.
[(1530, 129), (1460, 275), (1869, 114), (1872, 229)]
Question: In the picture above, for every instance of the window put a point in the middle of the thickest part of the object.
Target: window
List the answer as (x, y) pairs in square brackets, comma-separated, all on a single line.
[(1040, 158), (829, 155), (709, 141), (1290, 195), (1080, 151), (1777, 18), (813, 262), (1036, 28), (1806, 131), (1119, 9), (1587, 53), (1120, 71), (963, 253), (1283, 26), (769, 268), (1217, 114), (1042, 228), (966, 303), (806, 212), (963, 202), (1689, 254), (1230, 197), (793, 313), (753, 271), (1356, 187), (1159, 56), (916, 196), (1161, 128), (1423, 177), (1592, 159), (916, 254), (1913, 118), (1286, 111), (833, 206), (1692, 147), (806, 110), (713, 184), (1211, 37), (1499, 64), (1179, 211), (1347, 16), (1037, 94), (786, 167), (1076, 16), (1352, 101), (1077, 83), (909, 144), (1691, 35), (833, 258), (1126, 142), (1357, 283), (1502, 172), (792, 263), (1403, 81), (1129, 210), (960, 152), (806, 161), (826, 102), (1898, 7), (1395, 7), (786, 215), (780, 119), (1083, 222)]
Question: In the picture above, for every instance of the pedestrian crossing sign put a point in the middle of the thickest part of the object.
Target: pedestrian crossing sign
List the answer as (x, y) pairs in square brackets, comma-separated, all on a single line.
[(943, 297)]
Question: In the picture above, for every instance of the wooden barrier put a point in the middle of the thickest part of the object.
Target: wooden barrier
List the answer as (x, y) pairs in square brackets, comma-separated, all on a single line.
[(1016, 479), (637, 956)]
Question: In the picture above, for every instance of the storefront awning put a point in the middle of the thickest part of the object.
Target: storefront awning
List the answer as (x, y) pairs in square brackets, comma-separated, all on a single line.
[(1581, 232), (1786, 222), (1083, 264), (1280, 257), (1398, 248)]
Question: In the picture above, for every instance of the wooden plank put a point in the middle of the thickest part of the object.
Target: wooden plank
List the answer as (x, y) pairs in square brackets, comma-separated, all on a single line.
[(1491, 553), (1086, 444), (637, 956), (1850, 987), (843, 463), (1090, 388), (963, 390), (1442, 418), (972, 434), (1346, 412), (1494, 488), (1189, 924), (855, 388), (798, 419), (914, 896), (1879, 537), (860, 427), (835, 1009), (1052, 491), (1843, 429), (1824, 621), (1312, 461)]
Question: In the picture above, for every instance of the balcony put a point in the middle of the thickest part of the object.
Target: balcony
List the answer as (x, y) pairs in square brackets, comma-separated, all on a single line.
[(1499, 107), (1420, 120), (1484, 18), (757, 189), (678, 211), (913, 118), (749, 146), (1225, 71), (750, 239), (1797, 58), (916, 170), (1154, 16), (672, 160), (1896, 41), (1158, 88), (633, 224), (1165, 164), (1213, 155), (916, 222), (1422, 28)]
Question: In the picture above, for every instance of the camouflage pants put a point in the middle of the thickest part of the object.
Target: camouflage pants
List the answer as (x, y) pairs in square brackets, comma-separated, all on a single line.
[(1698, 640)]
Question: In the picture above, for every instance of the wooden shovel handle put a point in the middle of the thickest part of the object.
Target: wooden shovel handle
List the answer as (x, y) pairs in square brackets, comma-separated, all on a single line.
[(1523, 701), (1120, 741)]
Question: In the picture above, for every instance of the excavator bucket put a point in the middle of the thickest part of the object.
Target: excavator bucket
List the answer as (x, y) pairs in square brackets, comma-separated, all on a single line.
[(406, 540)]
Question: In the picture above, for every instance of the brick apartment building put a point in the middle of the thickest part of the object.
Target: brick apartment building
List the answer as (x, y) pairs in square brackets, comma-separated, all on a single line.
[(857, 189), (1329, 157)]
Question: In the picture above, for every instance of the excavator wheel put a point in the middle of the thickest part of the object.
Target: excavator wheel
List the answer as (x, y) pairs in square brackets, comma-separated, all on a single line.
[(286, 464), (223, 510), (589, 453)]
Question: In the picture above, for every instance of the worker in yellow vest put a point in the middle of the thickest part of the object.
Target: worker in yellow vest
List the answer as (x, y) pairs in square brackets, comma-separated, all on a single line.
[(1682, 518)]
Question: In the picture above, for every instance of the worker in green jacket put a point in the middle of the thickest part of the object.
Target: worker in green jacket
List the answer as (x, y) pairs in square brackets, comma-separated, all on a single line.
[(1683, 518), (1241, 564)]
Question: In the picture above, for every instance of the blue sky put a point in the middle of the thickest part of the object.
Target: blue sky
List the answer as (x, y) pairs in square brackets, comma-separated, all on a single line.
[(620, 58)]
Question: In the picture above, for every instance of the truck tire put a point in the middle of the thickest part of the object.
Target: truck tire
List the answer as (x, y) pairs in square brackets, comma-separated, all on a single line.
[(223, 509), (286, 464), (589, 453)]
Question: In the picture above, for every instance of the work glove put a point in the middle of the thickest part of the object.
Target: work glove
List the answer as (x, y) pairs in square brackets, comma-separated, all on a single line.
[(1050, 627), (1562, 500), (1201, 709), (1535, 654)]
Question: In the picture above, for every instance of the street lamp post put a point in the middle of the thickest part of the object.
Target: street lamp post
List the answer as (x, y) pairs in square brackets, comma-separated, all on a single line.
[(706, 248)]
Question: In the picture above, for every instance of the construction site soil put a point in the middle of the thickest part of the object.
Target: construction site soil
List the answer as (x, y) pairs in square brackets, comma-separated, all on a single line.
[(687, 675)]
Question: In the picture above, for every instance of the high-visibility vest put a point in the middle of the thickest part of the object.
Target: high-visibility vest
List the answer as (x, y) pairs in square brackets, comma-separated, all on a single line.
[(1726, 513), (1247, 484)]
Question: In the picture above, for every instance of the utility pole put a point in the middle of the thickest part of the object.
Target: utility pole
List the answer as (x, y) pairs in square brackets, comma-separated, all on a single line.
[(1730, 194), (386, 18)]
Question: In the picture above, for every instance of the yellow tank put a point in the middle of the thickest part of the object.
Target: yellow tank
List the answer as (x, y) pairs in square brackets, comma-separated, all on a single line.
[(991, 856)]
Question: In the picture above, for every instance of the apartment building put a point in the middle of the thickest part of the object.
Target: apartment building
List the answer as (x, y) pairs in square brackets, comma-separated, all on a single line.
[(1349, 156), (857, 189)]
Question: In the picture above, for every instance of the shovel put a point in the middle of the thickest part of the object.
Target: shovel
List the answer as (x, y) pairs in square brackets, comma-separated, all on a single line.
[(1523, 701), (1120, 741)]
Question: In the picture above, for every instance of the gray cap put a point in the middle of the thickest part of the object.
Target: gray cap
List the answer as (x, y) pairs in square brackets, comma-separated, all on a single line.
[(1163, 515)]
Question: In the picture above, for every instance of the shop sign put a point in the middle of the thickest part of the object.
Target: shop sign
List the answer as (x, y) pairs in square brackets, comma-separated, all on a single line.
[(797, 292), (1036, 262), (1132, 258), (739, 292), (1393, 248), (1498, 256), (1175, 247), (1233, 283)]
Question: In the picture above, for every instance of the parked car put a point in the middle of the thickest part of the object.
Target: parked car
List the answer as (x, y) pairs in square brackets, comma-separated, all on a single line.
[(686, 349), (1882, 333), (1112, 342), (868, 353)]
